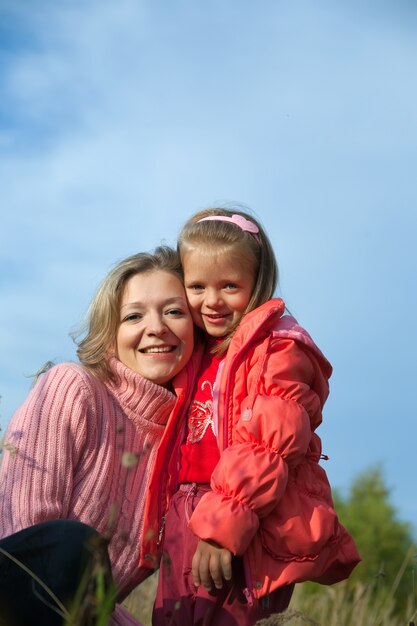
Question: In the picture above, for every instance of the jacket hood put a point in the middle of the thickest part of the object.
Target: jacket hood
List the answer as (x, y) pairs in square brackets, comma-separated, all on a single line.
[(270, 318)]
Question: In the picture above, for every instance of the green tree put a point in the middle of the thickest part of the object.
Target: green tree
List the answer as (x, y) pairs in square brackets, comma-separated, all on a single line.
[(385, 543)]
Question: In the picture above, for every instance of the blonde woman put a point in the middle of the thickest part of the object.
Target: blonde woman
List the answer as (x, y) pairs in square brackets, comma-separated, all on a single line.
[(82, 446)]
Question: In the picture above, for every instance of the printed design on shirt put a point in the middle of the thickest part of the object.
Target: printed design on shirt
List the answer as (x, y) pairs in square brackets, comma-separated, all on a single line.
[(200, 417)]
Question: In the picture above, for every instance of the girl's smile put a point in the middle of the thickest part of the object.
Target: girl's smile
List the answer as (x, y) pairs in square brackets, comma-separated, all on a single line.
[(218, 286)]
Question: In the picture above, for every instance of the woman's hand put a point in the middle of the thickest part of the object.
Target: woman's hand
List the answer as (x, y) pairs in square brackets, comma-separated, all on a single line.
[(211, 563)]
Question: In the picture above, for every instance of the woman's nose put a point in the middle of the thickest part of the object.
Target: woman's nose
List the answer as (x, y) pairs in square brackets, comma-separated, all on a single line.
[(156, 325)]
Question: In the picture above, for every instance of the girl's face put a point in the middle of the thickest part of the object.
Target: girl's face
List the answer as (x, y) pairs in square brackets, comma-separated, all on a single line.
[(155, 335), (219, 286)]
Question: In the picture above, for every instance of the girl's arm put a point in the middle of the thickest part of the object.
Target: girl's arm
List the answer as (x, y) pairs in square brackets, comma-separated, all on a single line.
[(41, 448), (272, 433)]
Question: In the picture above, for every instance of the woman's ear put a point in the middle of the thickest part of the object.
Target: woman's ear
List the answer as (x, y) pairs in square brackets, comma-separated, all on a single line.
[(111, 350)]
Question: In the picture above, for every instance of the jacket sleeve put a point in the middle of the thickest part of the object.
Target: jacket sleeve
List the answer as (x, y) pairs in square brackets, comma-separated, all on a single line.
[(271, 434), (40, 450)]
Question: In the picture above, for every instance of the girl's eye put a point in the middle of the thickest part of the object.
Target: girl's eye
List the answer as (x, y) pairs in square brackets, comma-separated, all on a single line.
[(231, 286), (195, 287)]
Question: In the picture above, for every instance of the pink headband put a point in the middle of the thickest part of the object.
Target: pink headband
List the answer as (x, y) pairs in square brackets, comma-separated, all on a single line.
[(239, 220)]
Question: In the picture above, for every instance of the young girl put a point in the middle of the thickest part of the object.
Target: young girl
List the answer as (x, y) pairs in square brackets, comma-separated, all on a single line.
[(253, 513)]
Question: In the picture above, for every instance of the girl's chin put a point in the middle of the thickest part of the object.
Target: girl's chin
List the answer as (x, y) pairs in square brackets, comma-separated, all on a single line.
[(216, 331)]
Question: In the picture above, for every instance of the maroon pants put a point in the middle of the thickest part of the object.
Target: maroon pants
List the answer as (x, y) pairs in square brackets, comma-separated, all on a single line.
[(179, 603)]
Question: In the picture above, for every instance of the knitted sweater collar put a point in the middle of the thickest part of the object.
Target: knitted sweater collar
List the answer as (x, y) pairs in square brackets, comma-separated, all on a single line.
[(140, 398)]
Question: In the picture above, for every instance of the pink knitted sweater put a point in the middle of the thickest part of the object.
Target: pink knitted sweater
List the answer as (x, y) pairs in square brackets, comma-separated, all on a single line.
[(82, 449)]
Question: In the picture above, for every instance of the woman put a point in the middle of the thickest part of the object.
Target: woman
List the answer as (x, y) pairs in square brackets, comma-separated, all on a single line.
[(83, 444)]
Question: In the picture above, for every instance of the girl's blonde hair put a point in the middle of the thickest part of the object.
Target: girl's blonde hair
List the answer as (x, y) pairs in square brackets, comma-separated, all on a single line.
[(103, 318), (228, 236)]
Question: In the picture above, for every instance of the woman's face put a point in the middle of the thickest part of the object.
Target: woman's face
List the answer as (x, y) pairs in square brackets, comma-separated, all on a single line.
[(155, 335)]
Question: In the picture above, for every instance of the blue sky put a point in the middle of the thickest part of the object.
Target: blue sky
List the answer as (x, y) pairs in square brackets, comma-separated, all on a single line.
[(120, 119)]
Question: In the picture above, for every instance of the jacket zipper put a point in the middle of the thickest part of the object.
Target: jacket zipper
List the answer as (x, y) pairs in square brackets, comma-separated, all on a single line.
[(173, 437), (246, 569), (237, 360), (161, 531)]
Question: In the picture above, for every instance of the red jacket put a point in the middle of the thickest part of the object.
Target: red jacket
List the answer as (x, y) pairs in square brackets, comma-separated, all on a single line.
[(270, 499)]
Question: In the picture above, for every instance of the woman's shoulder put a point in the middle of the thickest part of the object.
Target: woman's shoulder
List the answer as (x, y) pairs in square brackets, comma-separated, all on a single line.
[(66, 368), (66, 374), (61, 393)]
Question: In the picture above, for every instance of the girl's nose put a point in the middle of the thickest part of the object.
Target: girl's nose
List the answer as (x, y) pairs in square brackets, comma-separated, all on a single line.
[(213, 298)]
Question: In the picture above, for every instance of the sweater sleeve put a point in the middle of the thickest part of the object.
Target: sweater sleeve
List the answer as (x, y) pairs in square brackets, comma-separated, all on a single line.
[(272, 433), (41, 447)]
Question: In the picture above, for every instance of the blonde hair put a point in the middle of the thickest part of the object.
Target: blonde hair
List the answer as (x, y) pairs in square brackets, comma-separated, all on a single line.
[(227, 236), (103, 317)]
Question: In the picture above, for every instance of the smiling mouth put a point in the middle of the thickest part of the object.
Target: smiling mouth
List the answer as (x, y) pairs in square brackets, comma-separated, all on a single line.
[(215, 316), (158, 350)]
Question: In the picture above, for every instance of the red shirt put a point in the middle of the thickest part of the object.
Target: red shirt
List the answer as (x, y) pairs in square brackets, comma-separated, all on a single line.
[(200, 452)]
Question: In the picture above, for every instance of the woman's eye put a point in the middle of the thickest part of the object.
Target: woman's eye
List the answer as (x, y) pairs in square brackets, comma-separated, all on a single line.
[(133, 317), (175, 312)]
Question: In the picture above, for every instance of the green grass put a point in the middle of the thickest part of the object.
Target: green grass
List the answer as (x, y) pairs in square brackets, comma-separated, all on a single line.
[(335, 605)]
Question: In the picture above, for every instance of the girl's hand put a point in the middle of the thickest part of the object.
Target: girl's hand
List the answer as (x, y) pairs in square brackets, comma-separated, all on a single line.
[(211, 563)]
